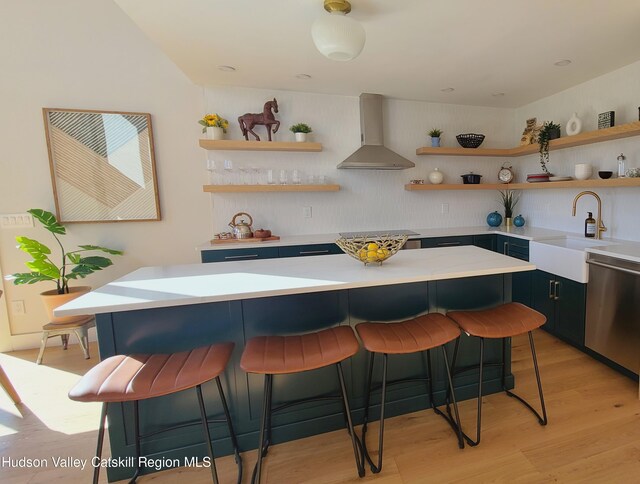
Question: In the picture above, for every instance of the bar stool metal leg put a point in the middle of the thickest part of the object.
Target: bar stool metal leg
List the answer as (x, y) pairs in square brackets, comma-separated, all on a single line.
[(232, 434), (136, 425), (354, 438), (103, 420), (457, 427), (207, 434), (375, 468), (264, 422)]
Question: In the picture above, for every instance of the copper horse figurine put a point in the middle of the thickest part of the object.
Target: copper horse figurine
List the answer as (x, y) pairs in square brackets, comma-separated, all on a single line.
[(249, 121)]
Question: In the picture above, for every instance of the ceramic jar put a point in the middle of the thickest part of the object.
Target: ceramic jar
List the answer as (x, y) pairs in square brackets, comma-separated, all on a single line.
[(519, 221), (436, 177), (583, 171), (574, 126)]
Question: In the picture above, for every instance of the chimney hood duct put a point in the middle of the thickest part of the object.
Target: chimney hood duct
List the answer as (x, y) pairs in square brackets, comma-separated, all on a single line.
[(373, 155)]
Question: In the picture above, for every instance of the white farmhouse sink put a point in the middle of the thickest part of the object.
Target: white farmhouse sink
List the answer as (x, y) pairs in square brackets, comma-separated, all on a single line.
[(565, 256)]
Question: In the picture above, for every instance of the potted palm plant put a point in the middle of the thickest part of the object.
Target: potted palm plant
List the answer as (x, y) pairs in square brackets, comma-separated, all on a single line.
[(73, 264), (509, 202), (300, 130)]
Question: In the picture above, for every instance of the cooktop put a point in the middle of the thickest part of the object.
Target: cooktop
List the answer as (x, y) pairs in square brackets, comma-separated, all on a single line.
[(378, 233)]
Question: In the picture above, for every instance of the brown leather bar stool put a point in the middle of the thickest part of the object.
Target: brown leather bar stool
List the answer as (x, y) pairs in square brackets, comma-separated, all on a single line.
[(501, 322), (131, 378), (416, 335), (279, 355)]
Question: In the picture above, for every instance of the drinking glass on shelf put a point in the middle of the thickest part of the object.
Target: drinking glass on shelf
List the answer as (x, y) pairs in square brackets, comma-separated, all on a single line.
[(295, 177), (213, 170), (256, 173), (311, 179), (228, 172), (283, 177), (245, 174), (322, 180), (271, 176)]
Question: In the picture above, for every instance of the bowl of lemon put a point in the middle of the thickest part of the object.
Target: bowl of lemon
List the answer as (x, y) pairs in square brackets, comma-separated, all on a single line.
[(371, 250)]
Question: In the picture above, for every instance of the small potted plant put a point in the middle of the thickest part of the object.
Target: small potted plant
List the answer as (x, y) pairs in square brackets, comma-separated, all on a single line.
[(300, 131), (72, 265), (214, 125), (549, 131), (509, 202), (435, 137)]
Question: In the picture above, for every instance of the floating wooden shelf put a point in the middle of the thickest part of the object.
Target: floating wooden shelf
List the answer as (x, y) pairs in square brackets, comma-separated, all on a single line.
[(269, 188), (608, 134), (243, 145), (613, 183)]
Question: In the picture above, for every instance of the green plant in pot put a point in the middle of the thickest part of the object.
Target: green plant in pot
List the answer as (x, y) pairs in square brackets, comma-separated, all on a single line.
[(509, 202), (549, 131), (75, 264), (300, 130), (435, 137)]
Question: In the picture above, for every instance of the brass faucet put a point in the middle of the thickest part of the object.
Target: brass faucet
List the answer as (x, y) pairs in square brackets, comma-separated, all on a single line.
[(599, 225)]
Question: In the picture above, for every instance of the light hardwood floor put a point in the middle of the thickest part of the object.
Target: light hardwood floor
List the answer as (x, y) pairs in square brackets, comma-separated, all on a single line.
[(593, 433)]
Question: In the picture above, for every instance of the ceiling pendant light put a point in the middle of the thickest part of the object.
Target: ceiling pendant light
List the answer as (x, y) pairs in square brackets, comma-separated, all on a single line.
[(337, 36)]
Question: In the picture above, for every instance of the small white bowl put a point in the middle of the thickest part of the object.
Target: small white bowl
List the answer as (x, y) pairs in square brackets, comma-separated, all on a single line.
[(583, 171)]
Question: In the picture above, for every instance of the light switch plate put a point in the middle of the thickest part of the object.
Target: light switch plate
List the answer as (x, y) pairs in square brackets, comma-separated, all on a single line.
[(306, 212)]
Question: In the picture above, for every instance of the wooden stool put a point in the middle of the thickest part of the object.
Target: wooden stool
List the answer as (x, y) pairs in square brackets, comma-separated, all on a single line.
[(413, 336), (500, 322), (80, 328), (5, 383), (278, 355), (138, 377)]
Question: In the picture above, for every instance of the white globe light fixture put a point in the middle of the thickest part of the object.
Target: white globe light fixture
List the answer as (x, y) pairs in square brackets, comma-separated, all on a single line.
[(337, 36)]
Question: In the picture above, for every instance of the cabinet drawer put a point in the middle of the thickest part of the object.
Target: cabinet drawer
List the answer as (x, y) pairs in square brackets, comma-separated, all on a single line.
[(485, 241), (513, 247), (447, 241), (308, 250), (239, 254)]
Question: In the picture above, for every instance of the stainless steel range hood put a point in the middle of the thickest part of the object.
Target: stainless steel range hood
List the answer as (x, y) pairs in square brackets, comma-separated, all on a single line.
[(373, 155)]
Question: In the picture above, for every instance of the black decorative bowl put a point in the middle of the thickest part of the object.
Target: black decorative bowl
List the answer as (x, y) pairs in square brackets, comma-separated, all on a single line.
[(605, 174), (470, 140), (471, 179)]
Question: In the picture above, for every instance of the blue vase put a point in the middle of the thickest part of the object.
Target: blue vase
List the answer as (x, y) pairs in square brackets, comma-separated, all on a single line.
[(494, 219), (435, 142), (518, 221)]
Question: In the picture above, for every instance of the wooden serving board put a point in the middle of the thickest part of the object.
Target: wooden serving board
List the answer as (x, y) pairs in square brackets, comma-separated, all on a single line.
[(245, 241)]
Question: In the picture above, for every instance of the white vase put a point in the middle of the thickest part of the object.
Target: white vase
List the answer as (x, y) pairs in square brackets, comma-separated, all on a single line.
[(215, 133), (436, 177), (301, 137), (574, 126)]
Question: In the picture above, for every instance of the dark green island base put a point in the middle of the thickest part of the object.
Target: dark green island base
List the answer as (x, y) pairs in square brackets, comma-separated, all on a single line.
[(180, 328)]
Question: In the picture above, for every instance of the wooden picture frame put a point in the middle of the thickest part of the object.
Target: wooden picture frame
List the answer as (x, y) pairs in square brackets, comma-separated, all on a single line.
[(102, 165)]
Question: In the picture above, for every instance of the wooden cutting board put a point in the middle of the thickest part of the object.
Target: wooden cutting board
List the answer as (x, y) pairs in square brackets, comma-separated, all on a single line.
[(245, 241)]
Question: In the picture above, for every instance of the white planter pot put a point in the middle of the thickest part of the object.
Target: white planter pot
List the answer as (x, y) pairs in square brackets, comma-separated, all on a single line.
[(215, 133), (301, 137)]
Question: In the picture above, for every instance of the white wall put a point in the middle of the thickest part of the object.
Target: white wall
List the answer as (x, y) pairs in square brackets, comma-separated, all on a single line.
[(368, 199), (617, 91), (90, 55)]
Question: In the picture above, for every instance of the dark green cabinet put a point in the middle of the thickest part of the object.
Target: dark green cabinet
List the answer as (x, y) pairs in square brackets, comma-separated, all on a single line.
[(308, 250), (239, 254), (446, 241), (563, 302), (521, 281), (485, 241)]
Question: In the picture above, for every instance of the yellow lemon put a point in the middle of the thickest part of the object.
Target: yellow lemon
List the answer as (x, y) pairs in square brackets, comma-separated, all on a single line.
[(372, 246), (372, 254), (382, 253), (362, 253)]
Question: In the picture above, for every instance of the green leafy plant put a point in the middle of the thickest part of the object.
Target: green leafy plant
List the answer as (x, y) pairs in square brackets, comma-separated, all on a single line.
[(300, 128), (213, 121), (435, 133), (73, 264), (509, 202), (544, 137)]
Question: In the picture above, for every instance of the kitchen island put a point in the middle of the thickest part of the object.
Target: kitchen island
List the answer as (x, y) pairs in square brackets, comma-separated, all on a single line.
[(174, 308)]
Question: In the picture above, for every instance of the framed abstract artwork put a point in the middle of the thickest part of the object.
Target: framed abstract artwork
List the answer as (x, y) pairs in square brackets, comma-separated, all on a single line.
[(102, 165)]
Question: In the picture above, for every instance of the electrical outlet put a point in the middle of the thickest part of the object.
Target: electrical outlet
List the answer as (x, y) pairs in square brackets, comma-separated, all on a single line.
[(16, 220), (17, 307), (444, 208), (306, 212)]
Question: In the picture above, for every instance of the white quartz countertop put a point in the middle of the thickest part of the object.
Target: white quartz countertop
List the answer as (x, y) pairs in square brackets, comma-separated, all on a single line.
[(527, 233), (165, 286)]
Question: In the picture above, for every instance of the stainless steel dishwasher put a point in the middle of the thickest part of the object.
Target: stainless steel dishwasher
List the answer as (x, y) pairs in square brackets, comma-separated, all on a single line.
[(613, 310)]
